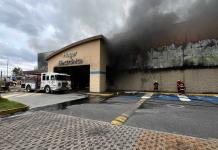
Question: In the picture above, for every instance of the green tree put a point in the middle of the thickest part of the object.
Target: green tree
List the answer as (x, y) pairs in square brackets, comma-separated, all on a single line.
[(17, 71)]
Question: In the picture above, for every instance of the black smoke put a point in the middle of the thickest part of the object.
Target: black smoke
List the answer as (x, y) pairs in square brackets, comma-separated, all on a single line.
[(150, 25)]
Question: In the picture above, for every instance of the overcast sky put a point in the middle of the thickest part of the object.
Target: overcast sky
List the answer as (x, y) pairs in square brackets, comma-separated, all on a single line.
[(31, 26), (28, 27)]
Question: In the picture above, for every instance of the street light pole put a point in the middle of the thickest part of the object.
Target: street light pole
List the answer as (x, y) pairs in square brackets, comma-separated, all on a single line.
[(7, 67)]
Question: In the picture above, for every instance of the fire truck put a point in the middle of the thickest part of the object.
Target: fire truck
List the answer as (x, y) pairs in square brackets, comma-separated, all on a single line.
[(47, 82)]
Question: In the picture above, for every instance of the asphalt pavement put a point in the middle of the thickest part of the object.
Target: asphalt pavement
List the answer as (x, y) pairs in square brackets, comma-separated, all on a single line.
[(169, 116), (104, 111), (199, 121)]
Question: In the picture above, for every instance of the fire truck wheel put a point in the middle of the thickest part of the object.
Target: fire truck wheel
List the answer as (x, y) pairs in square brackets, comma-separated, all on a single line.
[(28, 88), (47, 89)]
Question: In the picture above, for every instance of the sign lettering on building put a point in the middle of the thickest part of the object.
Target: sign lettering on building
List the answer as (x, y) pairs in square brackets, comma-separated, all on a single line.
[(70, 54), (72, 61)]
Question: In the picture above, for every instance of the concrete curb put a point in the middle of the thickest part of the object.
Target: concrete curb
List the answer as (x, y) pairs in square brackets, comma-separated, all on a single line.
[(120, 120), (61, 105), (101, 94)]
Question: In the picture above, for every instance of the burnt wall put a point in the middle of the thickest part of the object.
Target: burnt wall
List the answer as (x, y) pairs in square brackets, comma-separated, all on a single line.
[(203, 54), (200, 54)]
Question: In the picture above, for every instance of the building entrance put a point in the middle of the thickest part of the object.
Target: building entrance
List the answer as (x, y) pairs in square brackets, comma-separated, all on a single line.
[(80, 76)]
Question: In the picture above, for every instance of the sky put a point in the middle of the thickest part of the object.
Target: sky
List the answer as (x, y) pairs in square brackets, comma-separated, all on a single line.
[(28, 27)]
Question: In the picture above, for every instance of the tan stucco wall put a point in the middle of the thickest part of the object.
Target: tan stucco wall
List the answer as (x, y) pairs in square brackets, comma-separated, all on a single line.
[(196, 80), (91, 53)]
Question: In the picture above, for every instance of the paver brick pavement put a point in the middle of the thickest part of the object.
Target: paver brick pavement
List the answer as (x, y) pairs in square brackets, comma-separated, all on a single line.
[(45, 130)]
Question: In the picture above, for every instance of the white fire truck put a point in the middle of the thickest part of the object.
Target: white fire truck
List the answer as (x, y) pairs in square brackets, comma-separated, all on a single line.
[(47, 82)]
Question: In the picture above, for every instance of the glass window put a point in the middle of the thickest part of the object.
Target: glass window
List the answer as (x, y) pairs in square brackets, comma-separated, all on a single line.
[(52, 77), (62, 77), (47, 77), (43, 77)]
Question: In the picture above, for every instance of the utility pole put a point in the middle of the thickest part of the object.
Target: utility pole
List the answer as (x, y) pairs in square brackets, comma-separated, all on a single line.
[(7, 67), (1, 74)]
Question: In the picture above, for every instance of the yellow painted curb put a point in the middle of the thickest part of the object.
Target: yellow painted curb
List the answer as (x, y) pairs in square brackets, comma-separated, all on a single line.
[(120, 119), (114, 122), (125, 116)]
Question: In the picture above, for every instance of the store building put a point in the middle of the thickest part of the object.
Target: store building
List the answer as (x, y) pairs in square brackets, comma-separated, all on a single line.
[(93, 68), (85, 61)]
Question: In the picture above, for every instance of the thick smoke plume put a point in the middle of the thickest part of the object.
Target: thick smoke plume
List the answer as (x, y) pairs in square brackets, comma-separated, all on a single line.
[(153, 23)]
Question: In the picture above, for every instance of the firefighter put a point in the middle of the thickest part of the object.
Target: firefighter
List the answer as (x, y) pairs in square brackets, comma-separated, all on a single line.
[(181, 87), (156, 84)]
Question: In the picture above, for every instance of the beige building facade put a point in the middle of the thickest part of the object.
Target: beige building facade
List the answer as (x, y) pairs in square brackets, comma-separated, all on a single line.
[(90, 53), (87, 62), (203, 80)]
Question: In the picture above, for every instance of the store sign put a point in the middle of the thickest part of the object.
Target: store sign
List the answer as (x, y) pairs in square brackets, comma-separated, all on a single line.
[(70, 54), (71, 61)]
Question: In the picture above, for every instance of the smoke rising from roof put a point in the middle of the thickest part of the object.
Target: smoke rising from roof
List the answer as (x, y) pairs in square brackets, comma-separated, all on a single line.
[(153, 23)]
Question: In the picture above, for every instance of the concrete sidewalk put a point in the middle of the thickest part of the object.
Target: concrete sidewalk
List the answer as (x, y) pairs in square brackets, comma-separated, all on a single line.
[(37, 100), (43, 130)]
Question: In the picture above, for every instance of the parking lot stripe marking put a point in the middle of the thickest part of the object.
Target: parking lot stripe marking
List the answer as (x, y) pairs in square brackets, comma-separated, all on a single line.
[(184, 98)]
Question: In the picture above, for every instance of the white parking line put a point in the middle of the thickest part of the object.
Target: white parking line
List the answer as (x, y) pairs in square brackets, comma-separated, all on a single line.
[(146, 97), (184, 98)]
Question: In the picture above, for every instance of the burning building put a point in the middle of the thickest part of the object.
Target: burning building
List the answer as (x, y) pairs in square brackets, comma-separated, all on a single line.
[(153, 46), (90, 65)]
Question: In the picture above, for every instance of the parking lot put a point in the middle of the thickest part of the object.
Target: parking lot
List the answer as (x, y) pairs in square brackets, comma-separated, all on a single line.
[(162, 112), (196, 118), (88, 122)]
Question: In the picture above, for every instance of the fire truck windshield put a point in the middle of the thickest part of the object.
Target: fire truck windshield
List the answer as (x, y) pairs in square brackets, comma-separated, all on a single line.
[(62, 77)]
